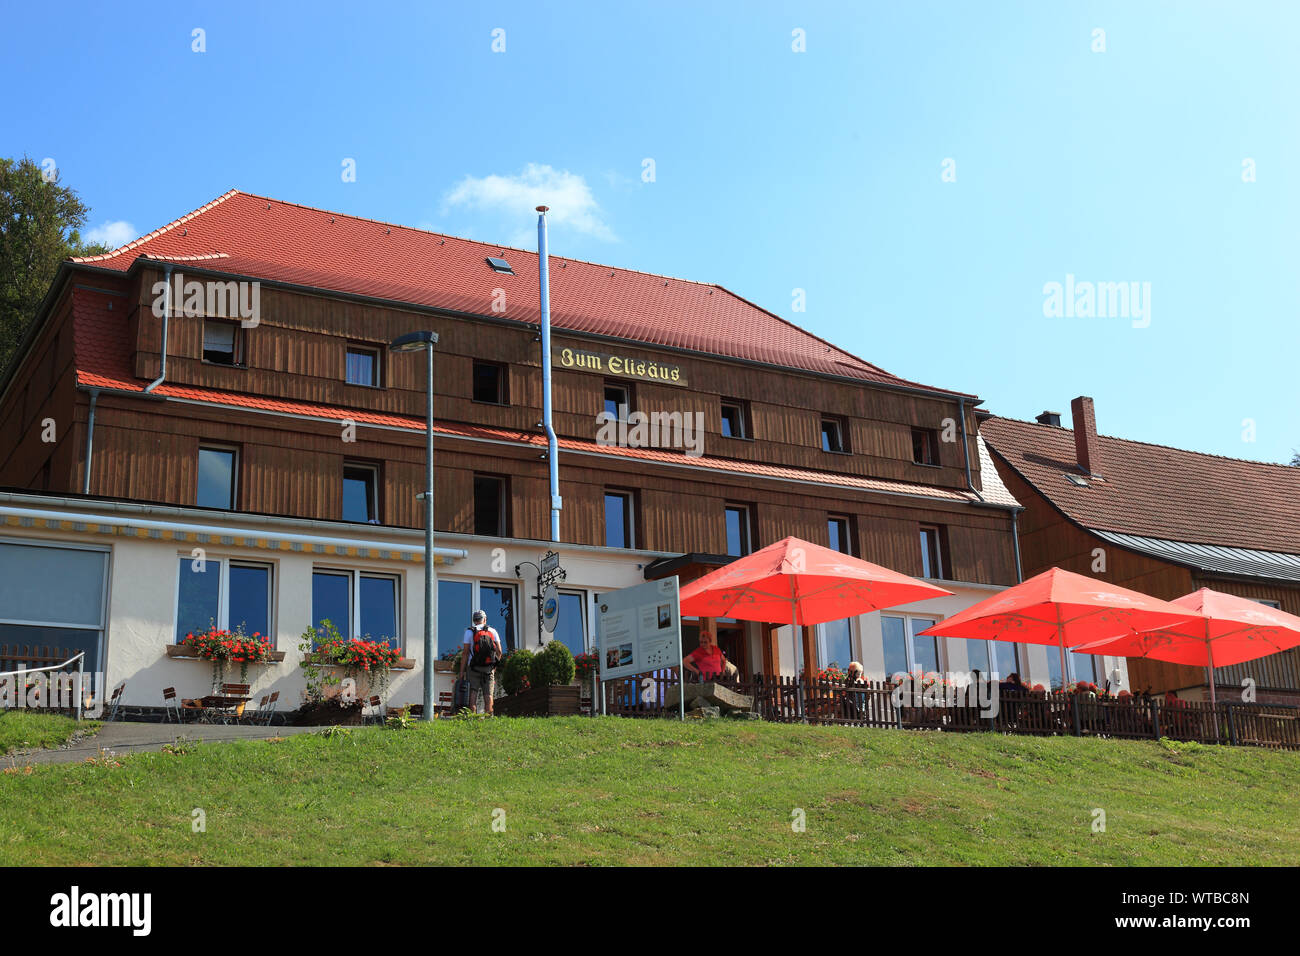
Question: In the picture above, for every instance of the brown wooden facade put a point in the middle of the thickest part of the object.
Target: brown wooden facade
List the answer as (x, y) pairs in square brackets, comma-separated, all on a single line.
[(1049, 539), (146, 449)]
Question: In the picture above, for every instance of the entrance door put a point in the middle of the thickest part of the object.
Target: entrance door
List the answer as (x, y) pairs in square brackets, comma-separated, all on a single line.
[(731, 639)]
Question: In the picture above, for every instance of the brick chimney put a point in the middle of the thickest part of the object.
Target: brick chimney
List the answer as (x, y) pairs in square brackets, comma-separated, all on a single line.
[(1087, 449)]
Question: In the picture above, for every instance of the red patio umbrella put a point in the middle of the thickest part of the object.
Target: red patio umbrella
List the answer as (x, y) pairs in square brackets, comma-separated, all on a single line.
[(800, 582), (1226, 630), (1062, 609)]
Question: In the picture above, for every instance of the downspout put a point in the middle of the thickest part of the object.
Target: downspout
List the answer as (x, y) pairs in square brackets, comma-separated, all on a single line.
[(552, 446), (90, 441), (1015, 538), (167, 314)]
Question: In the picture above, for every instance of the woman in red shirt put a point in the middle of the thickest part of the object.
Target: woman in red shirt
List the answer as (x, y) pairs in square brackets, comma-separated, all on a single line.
[(707, 661)]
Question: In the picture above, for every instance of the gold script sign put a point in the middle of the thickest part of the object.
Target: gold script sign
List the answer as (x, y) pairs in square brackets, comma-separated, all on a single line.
[(624, 365)]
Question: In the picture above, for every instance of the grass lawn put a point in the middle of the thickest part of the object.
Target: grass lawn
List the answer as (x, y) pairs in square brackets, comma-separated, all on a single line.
[(611, 791), (28, 729)]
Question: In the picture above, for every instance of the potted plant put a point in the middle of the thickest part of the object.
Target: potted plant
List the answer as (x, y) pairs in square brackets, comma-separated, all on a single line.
[(547, 690), (448, 663), (325, 653), (223, 648)]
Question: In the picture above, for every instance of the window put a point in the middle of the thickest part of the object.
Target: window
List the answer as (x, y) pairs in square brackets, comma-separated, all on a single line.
[(618, 399), (457, 601), (925, 448), (1081, 667), (54, 596), (359, 603), (490, 506), (735, 419), (999, 658), (500, 265), (571, 625), (839, 534), (620, 531), (220, 342), (216, 481), (360, 493), (738, 530), (905, 651), (835, 643), (833, 435), (490, 383), (932, 552), (362, 366), (223, 593)]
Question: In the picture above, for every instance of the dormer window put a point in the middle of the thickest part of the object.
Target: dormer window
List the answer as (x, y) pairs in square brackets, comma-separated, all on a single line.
[(220, 342)]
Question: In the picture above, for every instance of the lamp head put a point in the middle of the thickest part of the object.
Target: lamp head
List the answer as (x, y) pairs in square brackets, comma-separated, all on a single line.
[(413, 341)]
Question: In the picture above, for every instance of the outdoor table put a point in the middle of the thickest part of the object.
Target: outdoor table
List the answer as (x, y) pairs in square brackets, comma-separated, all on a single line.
[(221, 706)]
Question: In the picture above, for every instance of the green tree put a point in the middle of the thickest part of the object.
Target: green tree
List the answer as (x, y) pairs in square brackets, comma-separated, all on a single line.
[(40, 225)]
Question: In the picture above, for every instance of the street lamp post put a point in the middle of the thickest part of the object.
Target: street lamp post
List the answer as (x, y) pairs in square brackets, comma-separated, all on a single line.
[(413, 342)]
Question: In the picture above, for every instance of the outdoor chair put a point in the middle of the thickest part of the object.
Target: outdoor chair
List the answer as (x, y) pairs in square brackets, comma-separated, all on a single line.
[(115, 702), (270, 708), (258, 714), (171, 705), (444, 704), (376, 710)]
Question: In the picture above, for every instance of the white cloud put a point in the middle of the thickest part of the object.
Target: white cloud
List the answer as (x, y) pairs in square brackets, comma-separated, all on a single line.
[(112, 234), (570, 198)]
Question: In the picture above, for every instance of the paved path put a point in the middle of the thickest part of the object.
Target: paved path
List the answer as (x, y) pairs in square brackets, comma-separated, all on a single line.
[(124, 737)]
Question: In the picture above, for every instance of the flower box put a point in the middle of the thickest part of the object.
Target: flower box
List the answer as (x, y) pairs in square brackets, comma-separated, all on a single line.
[(550, 701), (445, 667), (402, 663), (180, 652)]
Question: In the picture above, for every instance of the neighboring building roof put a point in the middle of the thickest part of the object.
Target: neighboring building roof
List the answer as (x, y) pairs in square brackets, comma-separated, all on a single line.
[(993, 490), (1153, 491), (104, 362), (270, 240), (1214, 559)]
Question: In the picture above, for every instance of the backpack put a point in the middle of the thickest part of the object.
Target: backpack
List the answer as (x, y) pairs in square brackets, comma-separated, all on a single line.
[(485, 650)]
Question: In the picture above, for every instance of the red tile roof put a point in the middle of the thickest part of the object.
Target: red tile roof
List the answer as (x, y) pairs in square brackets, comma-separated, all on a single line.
[(1157, 491), (267, 239), (103, 361)]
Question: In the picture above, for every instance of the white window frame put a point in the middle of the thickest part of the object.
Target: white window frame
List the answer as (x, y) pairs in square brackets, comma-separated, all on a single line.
[(354, 576), (587, 621), (361, 349), (374, 486), (476, 601), (742, 418), (938, 551), (941, 646), (624, 407), (234, 473), (855, 644), (747, 526), (993, 657), (629, 517), (236, 342), (223, 592), (839, 424)]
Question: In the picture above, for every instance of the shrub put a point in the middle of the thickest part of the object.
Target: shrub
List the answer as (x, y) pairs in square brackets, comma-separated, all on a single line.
[(554, 665), (516, 670)]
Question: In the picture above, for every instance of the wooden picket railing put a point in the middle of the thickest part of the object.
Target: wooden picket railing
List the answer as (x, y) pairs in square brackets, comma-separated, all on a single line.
[(872, 704)]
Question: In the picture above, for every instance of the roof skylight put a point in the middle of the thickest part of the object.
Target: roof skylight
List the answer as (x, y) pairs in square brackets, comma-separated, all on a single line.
[(500, 265)]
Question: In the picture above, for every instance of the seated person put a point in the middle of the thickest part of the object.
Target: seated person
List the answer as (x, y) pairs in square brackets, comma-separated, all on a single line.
[(707, 662), (854, 675), (1012, 685)]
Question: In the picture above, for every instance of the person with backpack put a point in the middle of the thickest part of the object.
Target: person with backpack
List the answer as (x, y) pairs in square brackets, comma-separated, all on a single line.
[(480, 657)]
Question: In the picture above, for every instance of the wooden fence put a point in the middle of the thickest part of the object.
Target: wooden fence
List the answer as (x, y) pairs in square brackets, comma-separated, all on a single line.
[(873, 704)]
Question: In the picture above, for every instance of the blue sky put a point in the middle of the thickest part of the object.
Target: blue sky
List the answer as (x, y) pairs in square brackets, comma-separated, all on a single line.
[(774, 170)]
